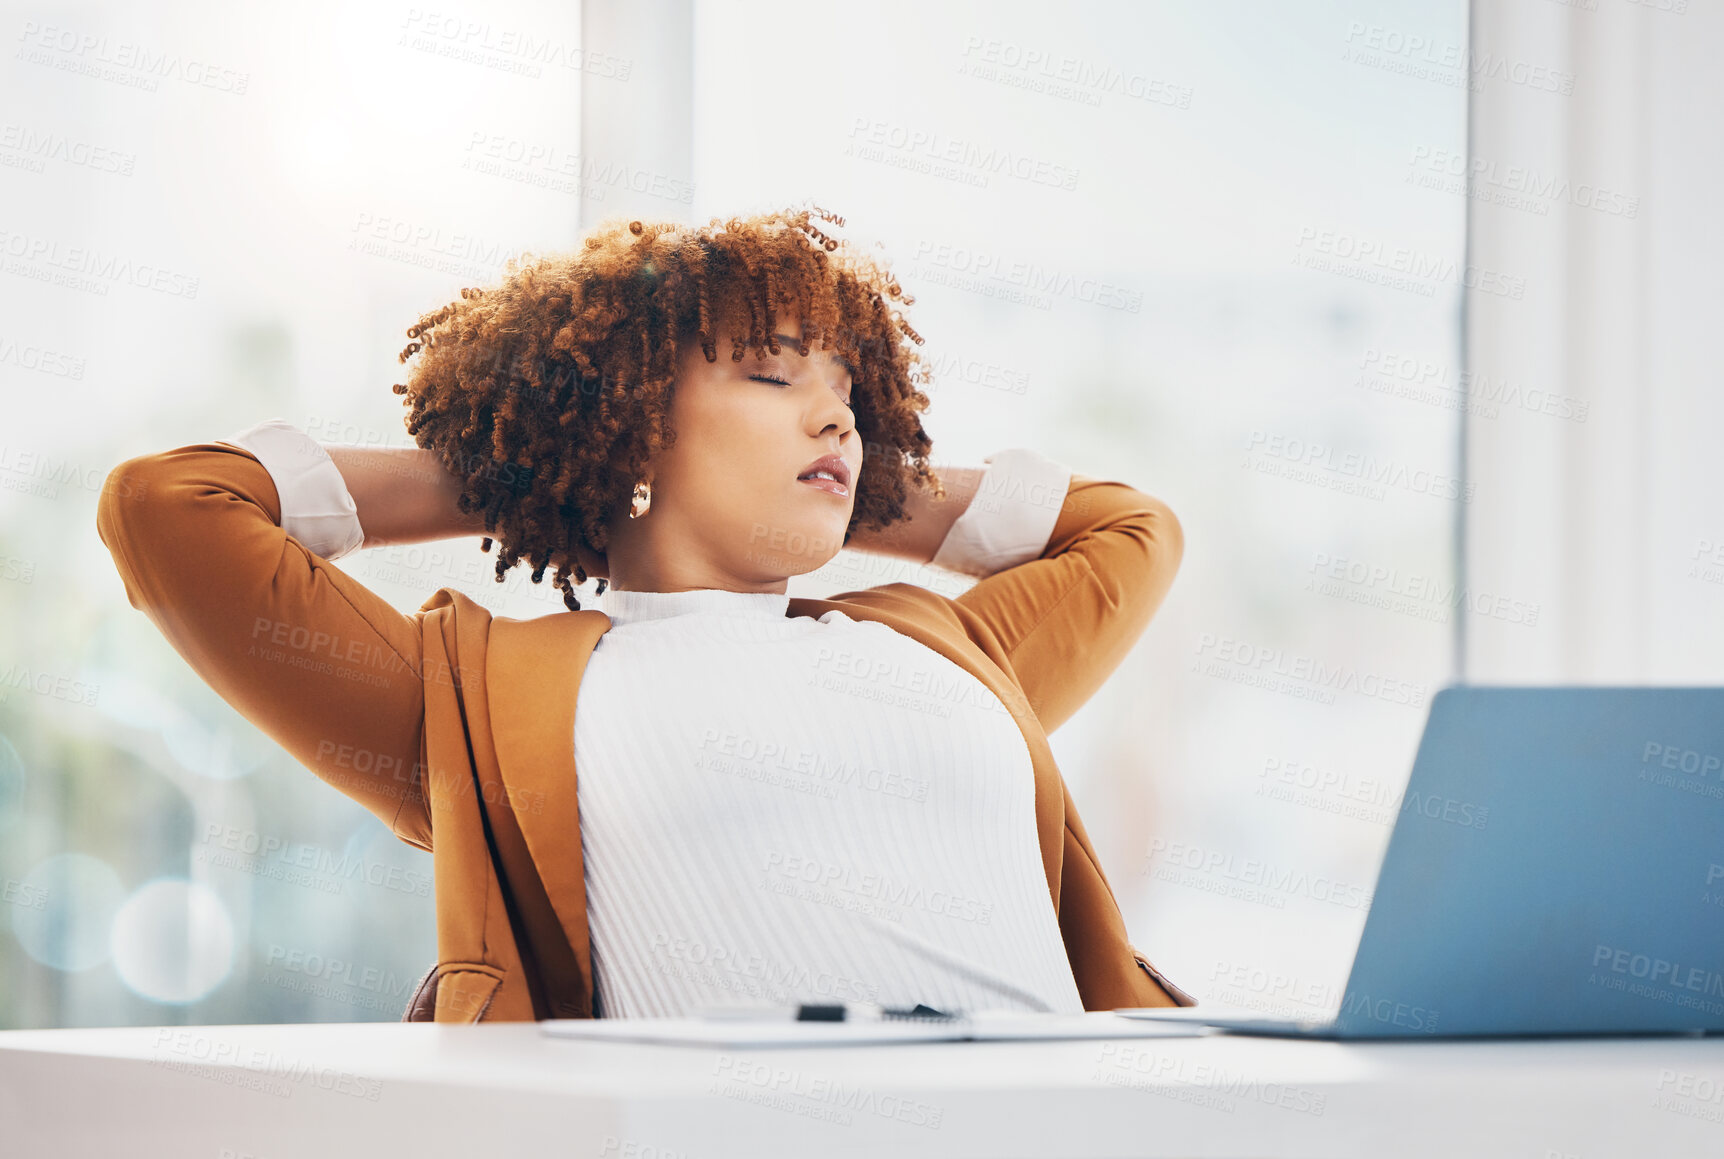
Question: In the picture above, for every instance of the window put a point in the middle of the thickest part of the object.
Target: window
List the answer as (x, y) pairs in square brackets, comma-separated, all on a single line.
[(1212, 250)]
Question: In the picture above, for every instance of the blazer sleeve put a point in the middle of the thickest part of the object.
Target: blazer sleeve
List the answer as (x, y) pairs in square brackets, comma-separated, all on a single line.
[(326, 667), (1066, 618)]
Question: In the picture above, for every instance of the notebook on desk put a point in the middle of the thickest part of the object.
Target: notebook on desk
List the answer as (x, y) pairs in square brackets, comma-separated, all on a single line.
[(1557, 867)]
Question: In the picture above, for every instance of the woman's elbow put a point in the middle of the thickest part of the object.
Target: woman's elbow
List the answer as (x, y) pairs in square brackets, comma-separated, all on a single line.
[(1168, 535)]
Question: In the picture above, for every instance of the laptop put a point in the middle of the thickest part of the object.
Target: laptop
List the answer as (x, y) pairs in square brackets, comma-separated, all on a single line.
[(1557, 867)]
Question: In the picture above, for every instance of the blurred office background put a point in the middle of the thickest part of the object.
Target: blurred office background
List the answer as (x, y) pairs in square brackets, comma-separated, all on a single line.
[(1426, 412)]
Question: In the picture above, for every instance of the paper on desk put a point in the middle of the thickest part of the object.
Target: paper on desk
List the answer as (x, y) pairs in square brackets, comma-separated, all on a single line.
[(981, 1027)]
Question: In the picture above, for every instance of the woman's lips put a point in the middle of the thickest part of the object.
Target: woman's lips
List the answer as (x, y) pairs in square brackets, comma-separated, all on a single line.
[(831, 485)]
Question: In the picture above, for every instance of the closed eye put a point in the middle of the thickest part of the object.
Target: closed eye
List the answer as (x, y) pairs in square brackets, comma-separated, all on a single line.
[(849, 402)]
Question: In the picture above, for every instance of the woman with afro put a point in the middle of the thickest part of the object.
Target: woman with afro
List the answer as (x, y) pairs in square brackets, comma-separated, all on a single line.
[(792, 800)]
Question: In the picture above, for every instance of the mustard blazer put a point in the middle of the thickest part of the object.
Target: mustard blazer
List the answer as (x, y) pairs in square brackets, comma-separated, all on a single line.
[(456, 727)]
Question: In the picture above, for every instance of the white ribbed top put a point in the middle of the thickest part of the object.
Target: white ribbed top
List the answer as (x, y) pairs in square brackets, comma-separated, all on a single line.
[(780, 809)]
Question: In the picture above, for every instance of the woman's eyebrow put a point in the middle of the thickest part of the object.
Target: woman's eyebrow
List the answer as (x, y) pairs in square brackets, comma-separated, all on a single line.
[(792, 341)]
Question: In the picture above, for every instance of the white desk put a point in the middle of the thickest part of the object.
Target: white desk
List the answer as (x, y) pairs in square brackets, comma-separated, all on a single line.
[(422, 1091)]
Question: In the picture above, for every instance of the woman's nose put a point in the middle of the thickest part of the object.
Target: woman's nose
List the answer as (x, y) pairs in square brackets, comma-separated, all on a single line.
[(833, 412)]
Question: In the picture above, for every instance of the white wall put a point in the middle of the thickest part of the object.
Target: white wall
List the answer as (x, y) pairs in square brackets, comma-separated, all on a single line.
[(1608, 524), (638, 136)]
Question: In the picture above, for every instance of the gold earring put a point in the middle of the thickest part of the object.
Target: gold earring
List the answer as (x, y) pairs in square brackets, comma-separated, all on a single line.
[(642, 500)]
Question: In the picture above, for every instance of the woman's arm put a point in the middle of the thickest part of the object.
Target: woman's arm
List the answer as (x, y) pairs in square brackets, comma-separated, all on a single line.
[(407, 495), (336, 499), (1066, 620), (993, 517), (918, 538), (326, 667), (404, 494)]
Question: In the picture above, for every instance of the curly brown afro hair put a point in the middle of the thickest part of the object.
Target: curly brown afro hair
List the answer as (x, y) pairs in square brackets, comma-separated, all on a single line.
[(549, 393)]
